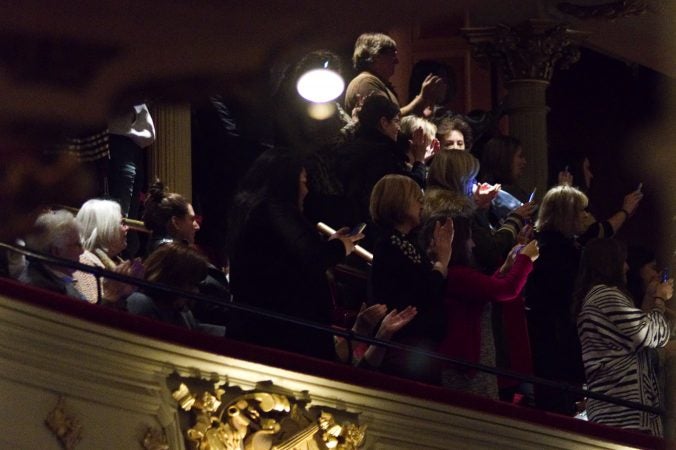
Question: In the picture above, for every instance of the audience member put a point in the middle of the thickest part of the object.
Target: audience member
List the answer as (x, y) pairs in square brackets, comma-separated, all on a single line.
[(57, 234), (104, 236), (278, 261), (443, 95), (451, 189), (179, 266), (454, 133), (403, 275), (615, 335), (578, 173), (503, 162), (375, 58), (468, 297), (373, 154), (369, 317), (171, 218), (409, 127), (549, 292)]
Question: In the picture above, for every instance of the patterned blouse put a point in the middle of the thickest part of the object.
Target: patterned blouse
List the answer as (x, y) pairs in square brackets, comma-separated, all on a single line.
[(615, 336)]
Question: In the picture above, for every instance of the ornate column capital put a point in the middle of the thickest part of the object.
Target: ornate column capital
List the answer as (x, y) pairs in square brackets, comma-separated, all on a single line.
[(531, 50)]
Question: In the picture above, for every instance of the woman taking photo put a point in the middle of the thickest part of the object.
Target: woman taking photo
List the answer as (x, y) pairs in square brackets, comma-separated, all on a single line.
[(615, 336)]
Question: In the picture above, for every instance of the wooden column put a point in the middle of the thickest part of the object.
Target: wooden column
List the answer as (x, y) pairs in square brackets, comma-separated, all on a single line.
[(171, 154)]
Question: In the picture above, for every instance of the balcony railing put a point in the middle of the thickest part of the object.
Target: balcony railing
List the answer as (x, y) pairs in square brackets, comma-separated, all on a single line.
[(99, 273)]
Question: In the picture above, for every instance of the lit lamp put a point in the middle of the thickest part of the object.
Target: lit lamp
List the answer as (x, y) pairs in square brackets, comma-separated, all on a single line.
[(320, 87)]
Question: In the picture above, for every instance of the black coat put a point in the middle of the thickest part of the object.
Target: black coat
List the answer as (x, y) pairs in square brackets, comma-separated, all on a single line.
[(279, 263), (361, 163)]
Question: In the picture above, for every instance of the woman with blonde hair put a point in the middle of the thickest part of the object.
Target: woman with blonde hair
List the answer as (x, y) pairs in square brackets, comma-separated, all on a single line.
[(104, 236), (402, 275), (549, 293)]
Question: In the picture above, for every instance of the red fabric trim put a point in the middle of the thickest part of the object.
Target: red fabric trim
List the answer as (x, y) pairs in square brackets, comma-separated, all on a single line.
[(326, 369)]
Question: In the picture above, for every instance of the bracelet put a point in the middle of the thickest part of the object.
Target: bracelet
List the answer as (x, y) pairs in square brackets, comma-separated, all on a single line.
[(626, 213)]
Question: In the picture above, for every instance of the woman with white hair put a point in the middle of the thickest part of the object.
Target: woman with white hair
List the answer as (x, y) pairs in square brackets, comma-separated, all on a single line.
[(104, 236)]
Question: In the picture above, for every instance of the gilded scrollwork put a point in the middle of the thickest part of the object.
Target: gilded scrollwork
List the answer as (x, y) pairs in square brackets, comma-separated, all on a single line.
[(265, 418), (66, 428)]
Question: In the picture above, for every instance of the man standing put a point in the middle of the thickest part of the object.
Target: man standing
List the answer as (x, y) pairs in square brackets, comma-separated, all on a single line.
[(375, 57)]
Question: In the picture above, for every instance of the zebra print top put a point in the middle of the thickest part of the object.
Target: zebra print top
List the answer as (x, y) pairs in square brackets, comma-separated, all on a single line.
[(615, 336)]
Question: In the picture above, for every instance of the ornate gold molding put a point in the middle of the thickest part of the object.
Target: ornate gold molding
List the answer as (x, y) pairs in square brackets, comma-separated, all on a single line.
[(530, 51), (606, 11), (264, 418), (65, 427)]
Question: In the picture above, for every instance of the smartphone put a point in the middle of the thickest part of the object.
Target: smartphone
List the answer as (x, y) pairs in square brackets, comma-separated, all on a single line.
[(531, 197), (664, 276), (359, 228), (640, 187)]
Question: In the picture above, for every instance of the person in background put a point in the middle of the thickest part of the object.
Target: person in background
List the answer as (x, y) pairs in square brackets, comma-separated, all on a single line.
[(503, 162), (375, 58), (104, 236), (578, 173), (409, 125), (454, 133), (55, 233), (171, 218), (129, 133), (179, 266), (615, 334)]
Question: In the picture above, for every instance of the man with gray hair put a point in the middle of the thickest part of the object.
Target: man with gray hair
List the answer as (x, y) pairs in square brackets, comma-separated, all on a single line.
[(375, 58), (55, 233)]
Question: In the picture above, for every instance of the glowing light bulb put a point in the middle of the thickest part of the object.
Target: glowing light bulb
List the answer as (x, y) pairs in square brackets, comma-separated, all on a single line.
[(320, 85)]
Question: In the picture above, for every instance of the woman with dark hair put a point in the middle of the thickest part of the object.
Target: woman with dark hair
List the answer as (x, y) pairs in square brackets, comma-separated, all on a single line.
[(278, 261), (643, 275), (454, 133), (373, 154), (404, 275), (169, 217), (503, 162), (615, 337), (468, 297), (181, 267)]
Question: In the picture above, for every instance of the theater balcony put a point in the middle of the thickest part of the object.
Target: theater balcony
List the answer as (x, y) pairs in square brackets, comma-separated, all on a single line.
[(91, 377)]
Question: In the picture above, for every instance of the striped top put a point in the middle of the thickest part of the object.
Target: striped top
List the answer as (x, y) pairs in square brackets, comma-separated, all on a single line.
[(615, 336)]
